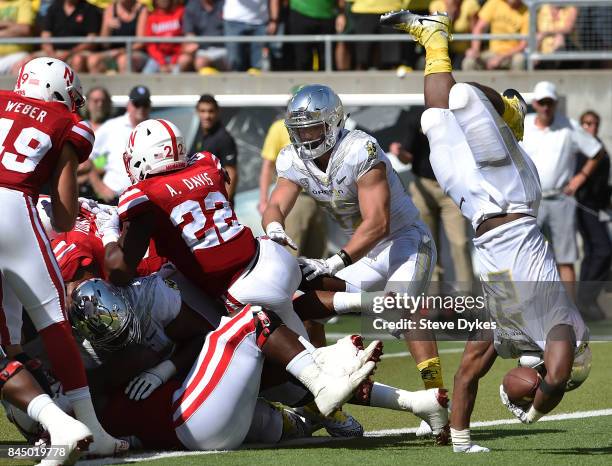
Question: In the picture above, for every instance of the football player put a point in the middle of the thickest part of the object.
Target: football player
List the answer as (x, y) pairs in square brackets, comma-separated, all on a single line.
[(43, 140), (347, 172), (473, 133), (69, 437), (113, 331)]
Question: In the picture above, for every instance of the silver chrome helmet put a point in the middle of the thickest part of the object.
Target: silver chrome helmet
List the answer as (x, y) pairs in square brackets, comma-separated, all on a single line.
[(101, 314), (580, 369), (314, 119)]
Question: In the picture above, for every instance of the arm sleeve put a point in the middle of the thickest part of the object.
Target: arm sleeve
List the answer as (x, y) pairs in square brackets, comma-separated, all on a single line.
[(284, 166), (132, 203), (583, 141), (369, 156), (82, 137)]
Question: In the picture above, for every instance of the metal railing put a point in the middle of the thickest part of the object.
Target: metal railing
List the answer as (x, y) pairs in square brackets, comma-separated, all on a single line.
[(328, 40)]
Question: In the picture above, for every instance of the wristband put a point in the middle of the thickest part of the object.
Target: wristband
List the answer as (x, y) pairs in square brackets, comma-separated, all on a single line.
[(345, 257)]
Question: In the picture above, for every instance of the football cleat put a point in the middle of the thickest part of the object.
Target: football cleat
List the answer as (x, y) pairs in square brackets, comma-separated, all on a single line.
[(432, 407), (337, 424), (421, 27), (294, 425), (347, 354), (331, 391), (74, 438), (515, 115)]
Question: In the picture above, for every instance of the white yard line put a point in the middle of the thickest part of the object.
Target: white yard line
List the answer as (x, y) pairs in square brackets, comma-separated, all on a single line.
[(322, 440)]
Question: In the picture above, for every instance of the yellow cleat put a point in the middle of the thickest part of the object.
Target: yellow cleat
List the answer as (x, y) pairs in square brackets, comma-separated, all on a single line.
[(421, 27), (514, 112)]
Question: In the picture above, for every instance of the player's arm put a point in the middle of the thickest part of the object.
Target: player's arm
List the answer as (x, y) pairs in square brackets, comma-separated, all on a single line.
[(374, 199), (265, 180), (64, 190), (187, 325), (280, 204), (233, 182), (123, 256)]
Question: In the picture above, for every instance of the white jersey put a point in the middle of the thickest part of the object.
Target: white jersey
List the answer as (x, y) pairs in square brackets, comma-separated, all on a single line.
[(156, 302), (335, 190), (477, 161)]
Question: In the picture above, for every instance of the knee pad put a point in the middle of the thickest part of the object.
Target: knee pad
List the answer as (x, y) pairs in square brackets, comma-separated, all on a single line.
[(266, 322), (8, 369)]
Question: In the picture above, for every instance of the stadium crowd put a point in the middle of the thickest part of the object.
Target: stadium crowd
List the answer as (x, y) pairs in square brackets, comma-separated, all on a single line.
[(559, 28)]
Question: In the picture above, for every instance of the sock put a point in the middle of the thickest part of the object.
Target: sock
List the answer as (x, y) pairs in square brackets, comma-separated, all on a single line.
[(37, 405), (84, 410), (533, 415), (299, 363), (64, 355), (431, 373), (436, 54), (385, 396), (461, 439)]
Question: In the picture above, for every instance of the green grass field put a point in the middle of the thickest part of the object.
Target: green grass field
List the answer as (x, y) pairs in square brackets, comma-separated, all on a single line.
[(581, 440)]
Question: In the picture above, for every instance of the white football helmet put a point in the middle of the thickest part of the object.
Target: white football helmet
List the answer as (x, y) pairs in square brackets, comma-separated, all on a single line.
[(154, 146), (51, 80)]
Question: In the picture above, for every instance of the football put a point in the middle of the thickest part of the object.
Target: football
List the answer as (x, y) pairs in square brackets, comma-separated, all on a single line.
[(521, 384)]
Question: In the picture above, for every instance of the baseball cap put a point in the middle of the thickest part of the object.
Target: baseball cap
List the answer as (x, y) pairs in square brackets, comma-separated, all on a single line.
[(545, 90), (140, 95)]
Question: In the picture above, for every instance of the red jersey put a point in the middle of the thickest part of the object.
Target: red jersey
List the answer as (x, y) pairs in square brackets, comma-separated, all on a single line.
[(195, 225), (32, 135), (162, 23), (82, 246)]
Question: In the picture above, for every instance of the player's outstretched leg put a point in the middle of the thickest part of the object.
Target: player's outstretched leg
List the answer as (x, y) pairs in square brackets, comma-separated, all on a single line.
[(70, 436), (330, 389), (433, 33)]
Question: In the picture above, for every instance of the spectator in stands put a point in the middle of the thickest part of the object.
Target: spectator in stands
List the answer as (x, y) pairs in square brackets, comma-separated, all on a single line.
[(213, 137), (121, 18), (594, 198), (111, 139), (71, 18), (166, 20), (553, 142), (314, 17), (499, 17), (247, 18), (463, 15), (306, 223), (97, 110), (16, 20), (205, 18), (437, 210), (366, 17), (345, 50), (555, 26)]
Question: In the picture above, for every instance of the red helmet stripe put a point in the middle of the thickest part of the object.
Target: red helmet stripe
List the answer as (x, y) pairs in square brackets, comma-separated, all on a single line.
[(172, 138)]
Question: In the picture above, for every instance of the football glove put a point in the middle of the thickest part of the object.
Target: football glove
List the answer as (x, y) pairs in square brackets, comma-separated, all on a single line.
[(276, 233), (516, 411), (143, 385), (108, 226), (312, 268)]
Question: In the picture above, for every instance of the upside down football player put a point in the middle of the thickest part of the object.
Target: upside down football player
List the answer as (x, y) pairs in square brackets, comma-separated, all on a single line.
[(347, 172), (473, 133)]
